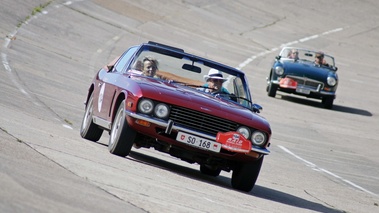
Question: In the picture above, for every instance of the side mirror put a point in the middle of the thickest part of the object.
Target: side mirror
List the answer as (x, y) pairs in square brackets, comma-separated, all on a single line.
[(257, 108), (110, 68), (278, 57)]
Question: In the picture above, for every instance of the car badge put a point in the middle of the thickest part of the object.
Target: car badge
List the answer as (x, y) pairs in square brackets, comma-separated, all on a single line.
[(236, 136)]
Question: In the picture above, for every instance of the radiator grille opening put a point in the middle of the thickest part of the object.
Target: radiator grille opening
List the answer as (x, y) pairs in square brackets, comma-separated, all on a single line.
[(201, 122)]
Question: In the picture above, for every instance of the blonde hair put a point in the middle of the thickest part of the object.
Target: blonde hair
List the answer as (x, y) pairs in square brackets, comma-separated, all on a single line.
[(152, 60)]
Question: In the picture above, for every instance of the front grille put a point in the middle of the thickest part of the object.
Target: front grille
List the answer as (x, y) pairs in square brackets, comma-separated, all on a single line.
[(200, 121), (309, 83)]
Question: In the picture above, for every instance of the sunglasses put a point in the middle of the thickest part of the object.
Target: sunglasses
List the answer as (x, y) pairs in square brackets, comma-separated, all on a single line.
[(215, 80)]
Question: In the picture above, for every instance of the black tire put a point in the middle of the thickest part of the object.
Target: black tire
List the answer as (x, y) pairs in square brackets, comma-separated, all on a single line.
[(271, 88), (245, 175), (88, 129), (328, 102), (209, 171), (122, 137)]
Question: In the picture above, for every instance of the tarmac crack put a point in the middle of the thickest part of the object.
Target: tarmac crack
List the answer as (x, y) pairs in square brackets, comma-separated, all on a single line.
[(322, 201)]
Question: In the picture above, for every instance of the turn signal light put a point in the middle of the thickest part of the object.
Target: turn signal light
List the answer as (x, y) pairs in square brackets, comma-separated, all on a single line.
[(143, 123)]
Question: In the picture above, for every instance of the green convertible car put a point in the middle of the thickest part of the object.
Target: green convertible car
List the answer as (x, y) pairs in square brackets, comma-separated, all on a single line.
[(304, 72)]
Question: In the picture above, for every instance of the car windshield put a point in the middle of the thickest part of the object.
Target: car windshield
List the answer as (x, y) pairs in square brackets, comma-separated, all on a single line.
[(194, 73), (303, 55)]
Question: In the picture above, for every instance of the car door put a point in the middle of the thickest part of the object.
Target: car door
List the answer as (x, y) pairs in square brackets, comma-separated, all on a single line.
[(107, 84)]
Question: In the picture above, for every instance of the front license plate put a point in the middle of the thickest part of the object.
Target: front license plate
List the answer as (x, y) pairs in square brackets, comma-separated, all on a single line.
[(198, 142), (303, 91)]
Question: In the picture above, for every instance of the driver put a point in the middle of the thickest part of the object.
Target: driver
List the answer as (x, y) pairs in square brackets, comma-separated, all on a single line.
[(214, 81), (319, 59)]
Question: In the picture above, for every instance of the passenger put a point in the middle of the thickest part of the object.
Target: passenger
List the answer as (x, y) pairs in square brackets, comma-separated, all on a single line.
[(214, 81), (294, 54), (149, 66), (319, 59)]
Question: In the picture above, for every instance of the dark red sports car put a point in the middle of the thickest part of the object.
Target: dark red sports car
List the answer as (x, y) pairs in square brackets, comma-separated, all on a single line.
[(190, 107)]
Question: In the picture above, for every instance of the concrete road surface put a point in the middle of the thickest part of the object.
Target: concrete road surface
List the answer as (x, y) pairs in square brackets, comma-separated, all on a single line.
[(321, 160)]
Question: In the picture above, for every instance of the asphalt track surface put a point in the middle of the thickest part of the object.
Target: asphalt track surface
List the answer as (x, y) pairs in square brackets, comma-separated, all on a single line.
[(321, 160)]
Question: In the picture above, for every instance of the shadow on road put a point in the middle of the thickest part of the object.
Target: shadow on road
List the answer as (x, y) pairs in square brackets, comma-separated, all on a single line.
[(318, 104), (288, 199), (222, 181)]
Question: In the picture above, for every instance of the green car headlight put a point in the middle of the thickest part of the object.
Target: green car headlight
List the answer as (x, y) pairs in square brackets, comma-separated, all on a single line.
[(279, 70), (331, 81)]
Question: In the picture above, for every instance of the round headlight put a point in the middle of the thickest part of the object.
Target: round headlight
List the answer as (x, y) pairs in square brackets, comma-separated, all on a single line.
[(244, 131), (146, 106), (331, 81), (279, 70), (161, 110), (258, 138)]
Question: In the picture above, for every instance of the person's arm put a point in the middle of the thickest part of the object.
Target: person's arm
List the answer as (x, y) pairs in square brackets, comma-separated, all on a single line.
[(224, 90)]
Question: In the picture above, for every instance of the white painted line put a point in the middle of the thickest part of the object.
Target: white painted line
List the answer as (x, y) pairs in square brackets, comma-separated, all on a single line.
[(301, 159), (67, 3), (5, 62), (332, 31), (209, 200), (308, 38), (315, 167), (67, 126)]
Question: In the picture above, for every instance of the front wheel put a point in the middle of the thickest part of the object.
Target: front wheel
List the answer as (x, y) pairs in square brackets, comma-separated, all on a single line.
[(122, 136), (271, 88), (88, 129), (245, 175), (328, 102)]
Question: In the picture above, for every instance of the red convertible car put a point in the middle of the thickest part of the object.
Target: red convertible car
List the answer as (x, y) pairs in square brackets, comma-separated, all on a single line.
[(198, 110)]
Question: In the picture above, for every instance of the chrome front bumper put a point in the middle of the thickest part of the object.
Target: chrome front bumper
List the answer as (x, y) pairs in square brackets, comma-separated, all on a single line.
[(170, 125)]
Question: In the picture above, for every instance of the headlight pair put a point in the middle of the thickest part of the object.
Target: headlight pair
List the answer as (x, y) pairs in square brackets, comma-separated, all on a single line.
[(160, 110), (258, 138)]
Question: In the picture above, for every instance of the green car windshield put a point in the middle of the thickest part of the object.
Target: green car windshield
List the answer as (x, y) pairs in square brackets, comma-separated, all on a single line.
[(304, 55)]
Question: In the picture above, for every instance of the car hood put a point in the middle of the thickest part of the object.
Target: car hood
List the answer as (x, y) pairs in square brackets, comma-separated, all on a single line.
[(308, 70), (190, 98)]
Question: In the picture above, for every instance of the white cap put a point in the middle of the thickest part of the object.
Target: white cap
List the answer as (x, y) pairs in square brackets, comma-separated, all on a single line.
[(214, 74)]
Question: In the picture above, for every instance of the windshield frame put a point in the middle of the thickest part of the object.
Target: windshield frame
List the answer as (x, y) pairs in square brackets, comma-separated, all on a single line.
[(240, 89), (305, 55)]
